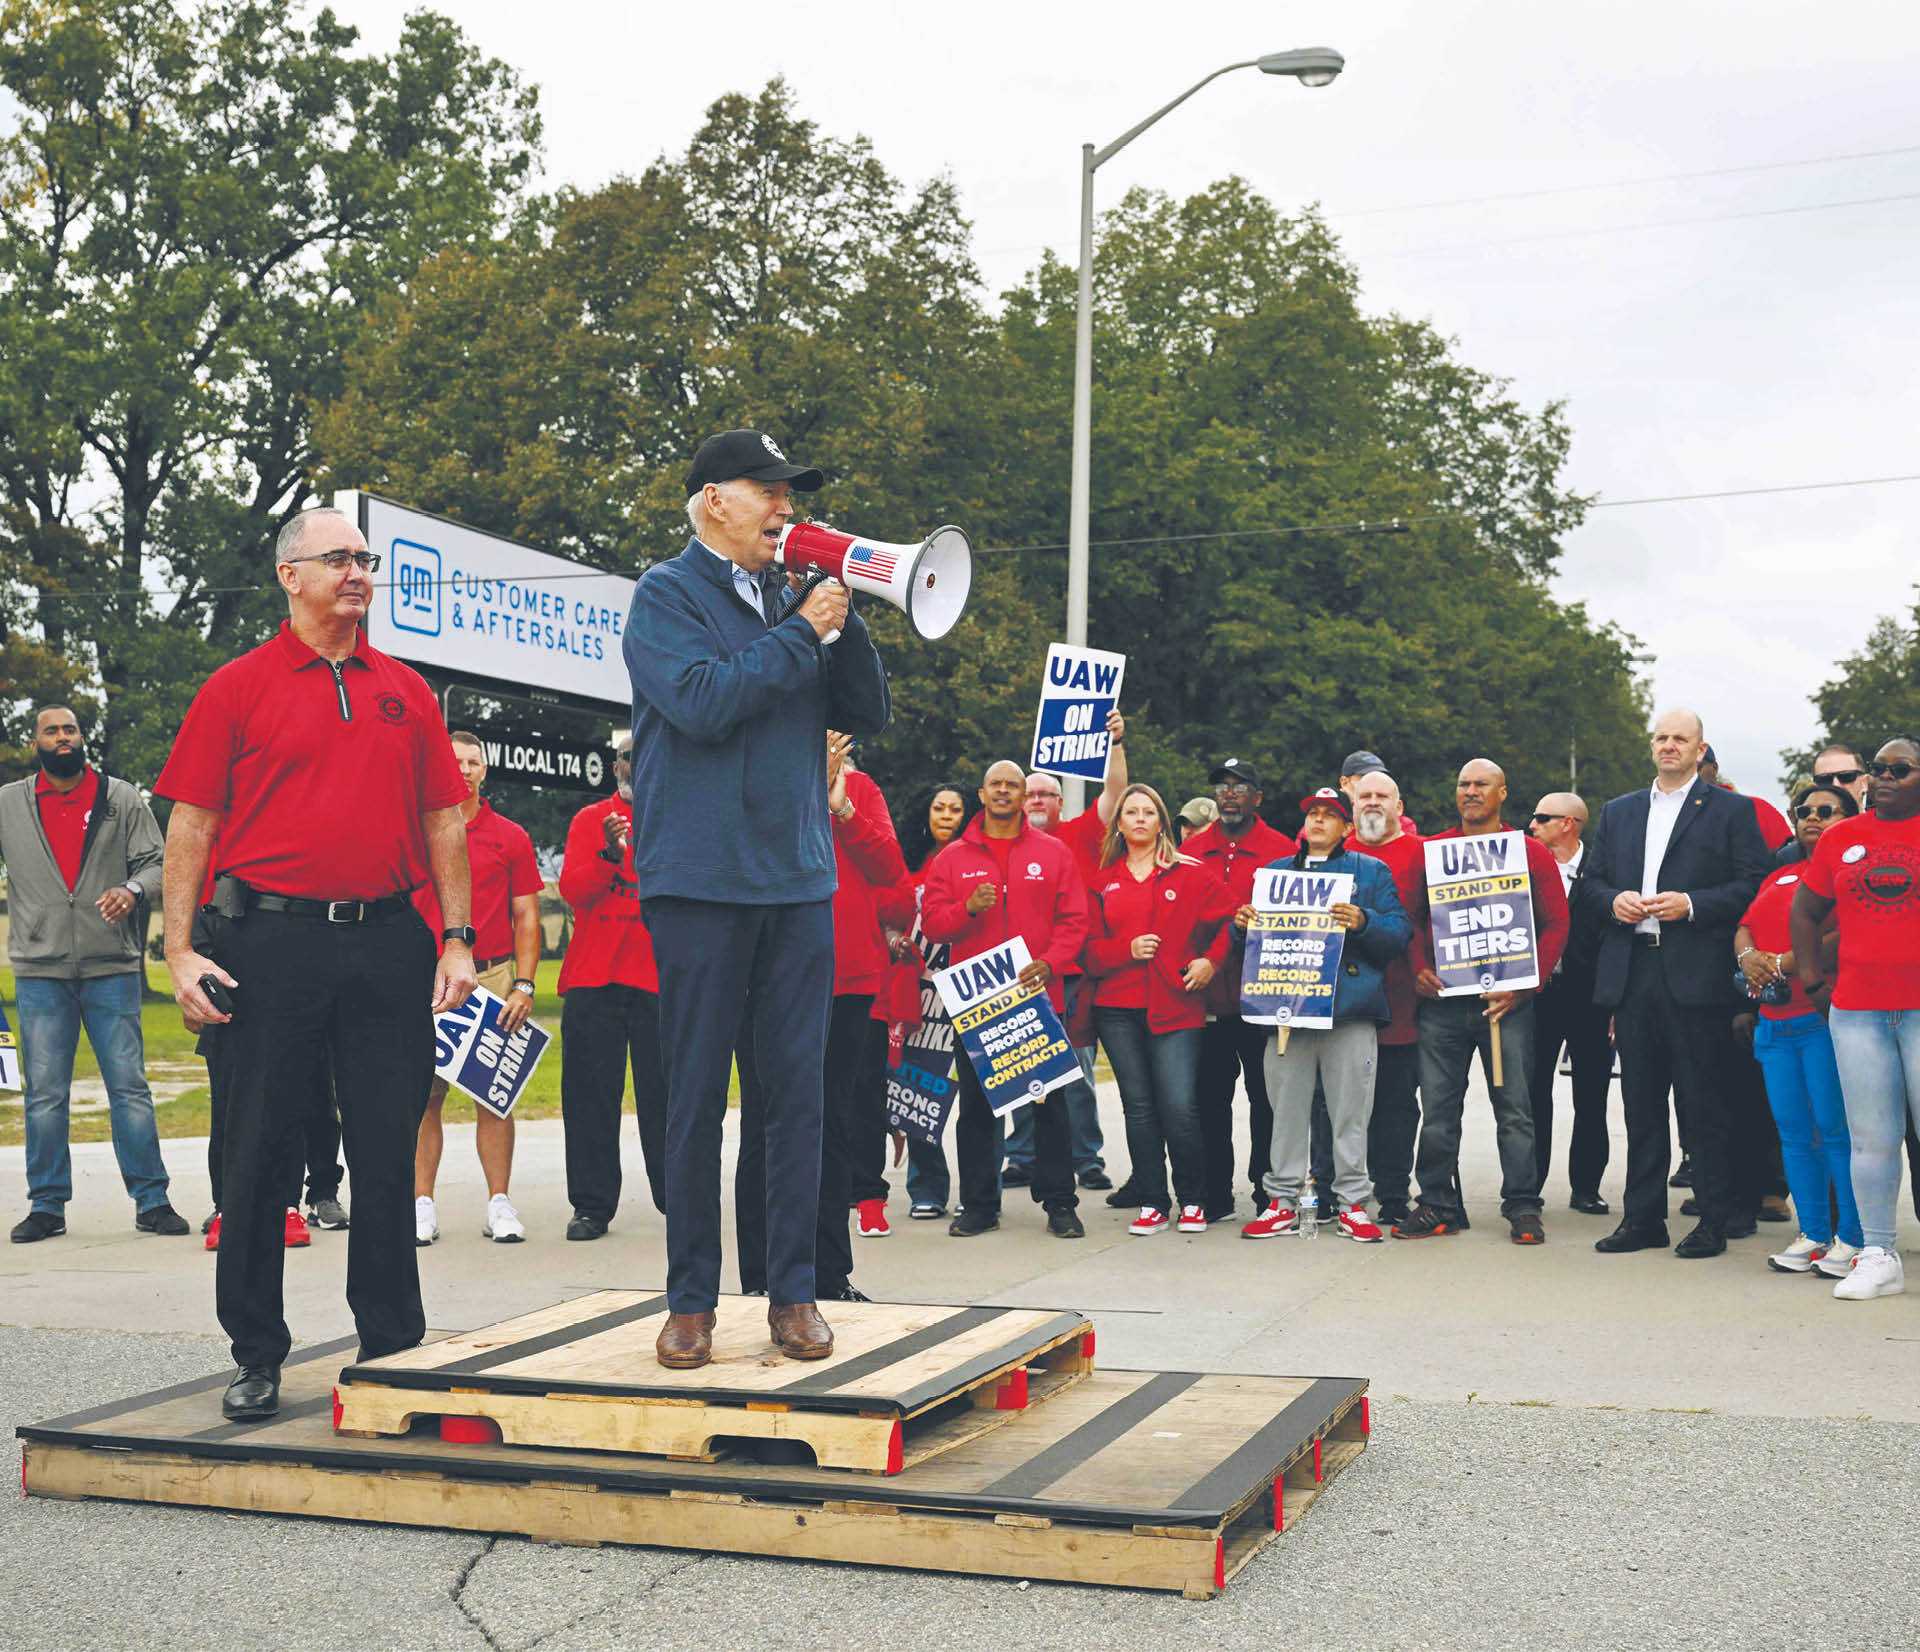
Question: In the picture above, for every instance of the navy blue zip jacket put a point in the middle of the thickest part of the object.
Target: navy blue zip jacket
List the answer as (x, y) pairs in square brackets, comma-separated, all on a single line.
[(730, 720), (1361, 992)]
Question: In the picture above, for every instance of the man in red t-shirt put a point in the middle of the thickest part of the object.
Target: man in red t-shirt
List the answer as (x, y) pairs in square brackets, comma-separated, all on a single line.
[(609, 1011), (506, 919), (322, 767)]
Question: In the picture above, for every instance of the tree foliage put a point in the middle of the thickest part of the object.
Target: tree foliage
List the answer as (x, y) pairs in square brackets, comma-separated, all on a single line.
[(1875, 697)]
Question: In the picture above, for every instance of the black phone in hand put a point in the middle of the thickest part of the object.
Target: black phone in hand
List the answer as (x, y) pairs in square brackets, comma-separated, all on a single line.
[(218, 993)]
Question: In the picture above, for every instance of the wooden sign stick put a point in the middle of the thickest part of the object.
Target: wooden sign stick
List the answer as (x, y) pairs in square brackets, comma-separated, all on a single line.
[(1499, 1075)]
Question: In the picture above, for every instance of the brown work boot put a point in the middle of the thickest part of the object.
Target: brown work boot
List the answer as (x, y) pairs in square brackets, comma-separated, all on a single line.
[(799, 1330), (685, 1341)]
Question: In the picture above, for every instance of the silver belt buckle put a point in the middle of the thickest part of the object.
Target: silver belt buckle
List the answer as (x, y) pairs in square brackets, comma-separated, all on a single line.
[(346, 912)]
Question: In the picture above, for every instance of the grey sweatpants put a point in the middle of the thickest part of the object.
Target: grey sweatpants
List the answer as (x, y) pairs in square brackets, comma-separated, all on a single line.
[(1343, 1060)]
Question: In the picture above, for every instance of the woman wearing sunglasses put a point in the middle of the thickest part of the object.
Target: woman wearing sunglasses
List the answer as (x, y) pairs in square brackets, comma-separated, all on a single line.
[(1795, 1051), (1866, 871)]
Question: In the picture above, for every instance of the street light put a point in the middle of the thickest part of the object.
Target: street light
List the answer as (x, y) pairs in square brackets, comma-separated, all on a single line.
[(1311, 66)]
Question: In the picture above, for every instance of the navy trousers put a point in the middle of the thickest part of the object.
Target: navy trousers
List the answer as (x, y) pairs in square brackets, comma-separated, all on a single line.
[(714, 957)]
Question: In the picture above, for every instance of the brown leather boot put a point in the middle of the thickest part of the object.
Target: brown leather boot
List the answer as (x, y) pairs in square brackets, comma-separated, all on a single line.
[(685, 1341), (799, 1331)]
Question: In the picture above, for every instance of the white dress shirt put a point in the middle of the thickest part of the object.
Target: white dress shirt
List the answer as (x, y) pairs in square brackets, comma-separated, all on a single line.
[(742, 580), (1663, 813), (1569, 870)]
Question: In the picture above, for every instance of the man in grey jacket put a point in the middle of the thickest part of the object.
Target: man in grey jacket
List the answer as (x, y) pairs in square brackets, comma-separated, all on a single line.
[(81, 851)]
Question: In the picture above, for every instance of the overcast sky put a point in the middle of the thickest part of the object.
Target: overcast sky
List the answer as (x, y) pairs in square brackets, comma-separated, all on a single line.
[(1694, 357)]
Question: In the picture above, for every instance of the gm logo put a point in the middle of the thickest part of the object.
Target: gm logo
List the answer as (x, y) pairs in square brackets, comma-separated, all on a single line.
[(413, 592)]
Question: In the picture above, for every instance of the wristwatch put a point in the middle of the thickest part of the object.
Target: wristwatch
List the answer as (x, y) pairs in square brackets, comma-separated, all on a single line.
[(465, 933), (523, 985)]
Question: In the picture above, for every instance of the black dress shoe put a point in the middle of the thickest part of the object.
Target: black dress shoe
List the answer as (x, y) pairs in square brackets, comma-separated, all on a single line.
[(1590, 1204), (1095, 1181), (1705, 1240), (1014, 1176), (1627, 1237), (1689, 1207), (1683, 1177), (162, 1219), (1123, 1197), (38, 1225), (848, 1292), (253, 1394), (586, 1227), (1739, 1227)]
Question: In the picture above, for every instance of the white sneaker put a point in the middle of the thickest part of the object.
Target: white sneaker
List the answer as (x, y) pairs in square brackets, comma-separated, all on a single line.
[(504, 1226), (1799, 1257), (1193, 1219), (1876, 1272), (1838, 1262), (426, 1225)]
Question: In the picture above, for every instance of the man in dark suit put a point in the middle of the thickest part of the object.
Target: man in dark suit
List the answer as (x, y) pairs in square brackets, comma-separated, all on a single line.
[(1670, 871), (1564, 1014)]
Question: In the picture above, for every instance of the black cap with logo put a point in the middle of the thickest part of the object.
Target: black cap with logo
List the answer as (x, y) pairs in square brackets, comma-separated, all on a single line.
[(1234, 768), (751, 454)]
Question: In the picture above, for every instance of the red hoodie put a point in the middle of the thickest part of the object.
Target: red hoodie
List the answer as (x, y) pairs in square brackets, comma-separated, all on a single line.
[(1407, 861), (1549, 907), (1234, 860), (1188, 908), (1043, 900), (610, 945), (866, 854)]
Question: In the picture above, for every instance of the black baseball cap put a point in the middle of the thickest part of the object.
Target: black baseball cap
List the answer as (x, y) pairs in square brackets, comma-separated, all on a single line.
[(751, 454), (1361, 762), (1234, 768), (1327, 797)]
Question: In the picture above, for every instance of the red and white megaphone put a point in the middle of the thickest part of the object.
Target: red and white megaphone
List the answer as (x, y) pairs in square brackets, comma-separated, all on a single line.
[(928, 582)]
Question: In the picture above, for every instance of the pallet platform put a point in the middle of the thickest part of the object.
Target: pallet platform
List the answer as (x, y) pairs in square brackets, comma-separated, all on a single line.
[(903, 1383), (1138, 1479)]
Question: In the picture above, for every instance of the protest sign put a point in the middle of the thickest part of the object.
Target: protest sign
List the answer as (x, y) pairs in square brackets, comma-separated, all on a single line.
[(1081, 686), (1480, 899), (1292, 961), (922, 1087), (1016, 1043), (9, 1056), (473, 1054)]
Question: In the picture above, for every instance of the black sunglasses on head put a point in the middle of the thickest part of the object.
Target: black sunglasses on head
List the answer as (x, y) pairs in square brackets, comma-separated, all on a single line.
[(1890, 771), (1815, 811)]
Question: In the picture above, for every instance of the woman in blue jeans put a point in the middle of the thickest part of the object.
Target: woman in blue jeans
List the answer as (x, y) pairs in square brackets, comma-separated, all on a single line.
[(1159, 932), (1795, 1051), (1866, 871)]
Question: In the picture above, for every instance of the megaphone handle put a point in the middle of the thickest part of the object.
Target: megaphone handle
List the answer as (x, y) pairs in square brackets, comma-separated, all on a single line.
[(815, 576)]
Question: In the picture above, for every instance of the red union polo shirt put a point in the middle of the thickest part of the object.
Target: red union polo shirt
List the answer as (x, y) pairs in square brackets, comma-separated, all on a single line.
[(322, 776), (502, 863), (63, 817)]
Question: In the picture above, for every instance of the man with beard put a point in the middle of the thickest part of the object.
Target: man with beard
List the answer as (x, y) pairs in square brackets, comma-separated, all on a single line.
[(82, 852), (1378, 830)]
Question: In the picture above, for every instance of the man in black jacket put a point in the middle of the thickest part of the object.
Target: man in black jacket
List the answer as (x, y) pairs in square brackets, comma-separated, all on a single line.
[(1670, 872)]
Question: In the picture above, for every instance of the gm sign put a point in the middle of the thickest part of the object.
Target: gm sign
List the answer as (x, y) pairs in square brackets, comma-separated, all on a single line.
[(414, 589)]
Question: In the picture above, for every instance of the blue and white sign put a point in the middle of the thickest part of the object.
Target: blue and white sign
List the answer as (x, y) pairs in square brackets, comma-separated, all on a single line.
[(1292, 964), (921, 1083), (471, 1052), (1081, 686), (451, 596), (1016, 1043)]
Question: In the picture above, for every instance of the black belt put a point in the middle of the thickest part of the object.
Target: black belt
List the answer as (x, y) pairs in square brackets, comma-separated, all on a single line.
[(335, 912), (1640, 939), (482, 965)]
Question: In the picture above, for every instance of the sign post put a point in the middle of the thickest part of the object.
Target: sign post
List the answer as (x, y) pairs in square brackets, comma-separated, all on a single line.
[(1480, 907)]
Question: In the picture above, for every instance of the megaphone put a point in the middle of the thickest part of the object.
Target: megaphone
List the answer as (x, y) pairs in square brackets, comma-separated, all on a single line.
[(928, 582)]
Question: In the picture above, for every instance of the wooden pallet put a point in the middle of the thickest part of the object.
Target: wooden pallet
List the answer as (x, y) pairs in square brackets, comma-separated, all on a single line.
[(903, 1382), (1138, 1479)]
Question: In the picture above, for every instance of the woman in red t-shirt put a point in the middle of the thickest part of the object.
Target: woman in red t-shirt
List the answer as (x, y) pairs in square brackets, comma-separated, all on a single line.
[(1866, 871), (1795, 1051), (1159, 932)]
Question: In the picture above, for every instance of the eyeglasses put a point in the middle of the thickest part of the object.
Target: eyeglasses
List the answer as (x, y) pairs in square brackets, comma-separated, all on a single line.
[(1227, 788), (1537, 819), (1816, 811), (368, 562), (1846, 777), (1890, 771)]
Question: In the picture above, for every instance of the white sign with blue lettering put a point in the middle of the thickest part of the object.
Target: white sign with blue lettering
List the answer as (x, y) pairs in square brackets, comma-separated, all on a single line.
[(1081, 686), (471, 1052), (1009, 1032), (451, 596)]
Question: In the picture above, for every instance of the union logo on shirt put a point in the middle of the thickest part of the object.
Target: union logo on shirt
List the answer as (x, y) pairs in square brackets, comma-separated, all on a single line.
[(392, 707)]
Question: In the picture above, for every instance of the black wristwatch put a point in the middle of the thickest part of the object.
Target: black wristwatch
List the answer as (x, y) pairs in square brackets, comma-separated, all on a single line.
[(466, 933)]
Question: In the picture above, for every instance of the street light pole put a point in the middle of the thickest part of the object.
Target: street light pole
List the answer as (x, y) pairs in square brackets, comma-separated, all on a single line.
[(1313, 66)]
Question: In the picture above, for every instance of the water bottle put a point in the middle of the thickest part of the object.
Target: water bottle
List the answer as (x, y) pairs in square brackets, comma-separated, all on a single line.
[(1309, 1210)]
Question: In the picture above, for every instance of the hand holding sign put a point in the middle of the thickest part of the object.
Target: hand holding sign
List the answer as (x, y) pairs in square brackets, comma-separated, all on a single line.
[(1036, 975)]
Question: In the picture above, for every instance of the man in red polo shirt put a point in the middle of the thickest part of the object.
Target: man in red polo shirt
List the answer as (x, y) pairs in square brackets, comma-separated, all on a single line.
[(609, 1011), (506, 922), (322, 768)]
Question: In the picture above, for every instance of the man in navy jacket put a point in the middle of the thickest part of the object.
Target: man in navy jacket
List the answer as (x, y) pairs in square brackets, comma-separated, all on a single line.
[(734, 688)]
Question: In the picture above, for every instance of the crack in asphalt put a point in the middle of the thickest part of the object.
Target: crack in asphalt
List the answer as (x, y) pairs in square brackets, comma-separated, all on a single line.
[(459, 1590)]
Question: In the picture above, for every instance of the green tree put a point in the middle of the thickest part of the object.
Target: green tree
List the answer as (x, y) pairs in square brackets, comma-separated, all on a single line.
[(1875, 697), (196, 204)]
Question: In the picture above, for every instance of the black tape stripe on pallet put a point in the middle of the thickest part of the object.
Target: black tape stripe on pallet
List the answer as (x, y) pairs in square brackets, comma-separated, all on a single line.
[(508, 1352), (180, 1390), (286, 1414), (1015, 1352), (1095, 1434), (892, 1353), (1262, 1456)]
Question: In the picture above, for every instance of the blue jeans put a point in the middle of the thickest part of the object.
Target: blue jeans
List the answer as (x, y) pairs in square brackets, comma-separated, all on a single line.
[(1803, 1089), (1878, 1053), (51, 1016), (1083, 1118), (929, 1180), (1159, 1078)]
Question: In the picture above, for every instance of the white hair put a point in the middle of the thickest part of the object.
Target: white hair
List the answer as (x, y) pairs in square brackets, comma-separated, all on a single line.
[(295, 530), (697, 510)]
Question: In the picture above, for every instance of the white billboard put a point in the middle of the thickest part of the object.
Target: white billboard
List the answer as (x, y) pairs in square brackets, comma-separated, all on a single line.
[(463, 600)]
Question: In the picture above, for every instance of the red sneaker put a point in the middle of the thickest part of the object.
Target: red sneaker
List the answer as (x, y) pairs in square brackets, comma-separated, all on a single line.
[(213, 1231), (1275, 1220), (1148, 1221), (873, 1219), (297, 1231), (1193, 1219), (1357, 1224)]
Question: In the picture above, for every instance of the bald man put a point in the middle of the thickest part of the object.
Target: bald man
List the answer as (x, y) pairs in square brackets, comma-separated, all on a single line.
[(1564, 1014), (1668, 875)]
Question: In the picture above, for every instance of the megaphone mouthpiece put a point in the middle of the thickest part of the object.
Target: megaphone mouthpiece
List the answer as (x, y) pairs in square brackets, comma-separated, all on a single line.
[(929, 582)]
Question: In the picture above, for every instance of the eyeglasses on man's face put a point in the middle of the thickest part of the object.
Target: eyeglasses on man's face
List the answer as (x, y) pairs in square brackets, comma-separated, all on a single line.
[(368, 562), (1232, 788), (1538, 819), (1843, 777), (1890, 771), (1815, 811)]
